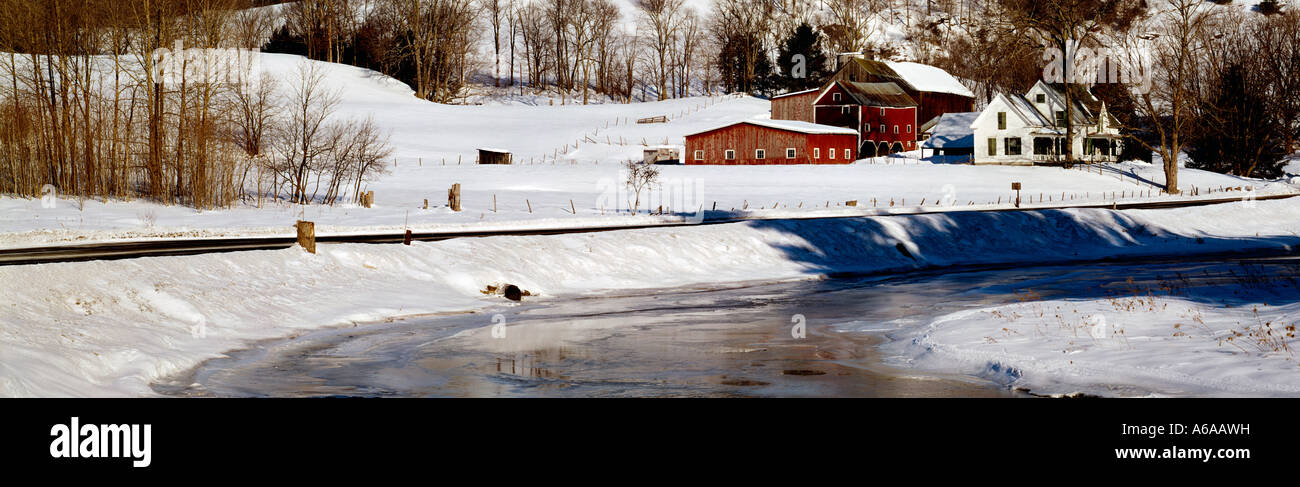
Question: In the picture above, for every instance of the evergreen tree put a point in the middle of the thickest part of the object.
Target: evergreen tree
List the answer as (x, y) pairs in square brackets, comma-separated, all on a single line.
[(810, 71)]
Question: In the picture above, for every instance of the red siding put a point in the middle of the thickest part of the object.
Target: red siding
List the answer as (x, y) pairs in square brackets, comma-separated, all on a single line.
[(936, 104), (796, 107), (746, 138), (930, 104), (903, 118)]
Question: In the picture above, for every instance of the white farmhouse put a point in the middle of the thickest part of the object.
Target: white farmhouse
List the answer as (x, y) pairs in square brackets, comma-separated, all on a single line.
[(1030, 129)]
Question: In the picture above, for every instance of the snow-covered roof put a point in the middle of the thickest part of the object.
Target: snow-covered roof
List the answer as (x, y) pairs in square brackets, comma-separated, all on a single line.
[(499, 151), (1027, 111), (929, 78), (952, 131), (797, 93), (789, 125)]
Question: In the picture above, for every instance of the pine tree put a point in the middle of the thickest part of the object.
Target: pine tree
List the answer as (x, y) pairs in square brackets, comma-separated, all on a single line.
[(808, 72)]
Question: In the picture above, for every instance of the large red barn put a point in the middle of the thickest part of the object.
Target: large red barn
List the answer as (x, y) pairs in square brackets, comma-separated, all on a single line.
[(882, 112), (772, 142)]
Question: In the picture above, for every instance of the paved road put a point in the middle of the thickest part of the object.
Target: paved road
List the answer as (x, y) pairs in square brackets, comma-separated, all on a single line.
[(156, 248)]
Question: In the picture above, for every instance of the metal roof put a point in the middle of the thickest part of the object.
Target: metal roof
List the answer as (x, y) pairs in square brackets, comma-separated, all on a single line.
[(787, 125), (886, 94)]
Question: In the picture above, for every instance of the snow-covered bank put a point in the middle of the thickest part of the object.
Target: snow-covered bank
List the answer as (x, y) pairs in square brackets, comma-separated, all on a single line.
[(1122, 346), (110, 328)]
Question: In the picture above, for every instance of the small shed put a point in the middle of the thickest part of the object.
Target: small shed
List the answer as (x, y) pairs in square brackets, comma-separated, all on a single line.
[(663, 154), (772, 142), (951, 134), (495, 156)]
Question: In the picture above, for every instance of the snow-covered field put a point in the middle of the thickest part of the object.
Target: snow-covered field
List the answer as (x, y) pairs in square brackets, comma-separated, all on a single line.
[(568, 174), (110, 328)]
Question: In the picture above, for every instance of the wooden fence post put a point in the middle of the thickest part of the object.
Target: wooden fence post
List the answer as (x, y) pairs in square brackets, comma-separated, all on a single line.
[(453, 197), (306, 235)]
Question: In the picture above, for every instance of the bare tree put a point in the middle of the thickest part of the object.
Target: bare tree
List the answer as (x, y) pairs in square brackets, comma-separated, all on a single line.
[(662, 20), (496, 12), (1171, 56), (640, 176), (303, 138)]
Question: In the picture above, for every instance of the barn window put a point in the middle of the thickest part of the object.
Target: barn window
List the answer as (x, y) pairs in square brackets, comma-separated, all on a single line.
[(993, 147), (789, 153), (1002, 120), (1013, 146), (760, 154), (895, 129), (848, 154), (699, 155), (832, 151), (731, 155), (882, 111), (882, 128), (817, 152), (868, 128), (844, 110), (909, 128), (835, 97)]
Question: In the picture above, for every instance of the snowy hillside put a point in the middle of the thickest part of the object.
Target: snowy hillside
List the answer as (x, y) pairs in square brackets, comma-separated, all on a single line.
[(568, 158)]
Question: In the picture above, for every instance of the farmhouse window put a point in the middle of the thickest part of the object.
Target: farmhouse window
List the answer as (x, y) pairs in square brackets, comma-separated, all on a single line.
[(1002, 120), (1042, 146), (993, 147), (731, 155), (1041, 98), (1013, 146), (789, 153), (699, 155), (760, 154), (1060, 117)]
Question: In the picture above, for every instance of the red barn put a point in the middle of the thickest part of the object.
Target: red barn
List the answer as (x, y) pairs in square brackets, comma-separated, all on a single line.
[(772, 142), (795, 106), (882, 112), (935, 91)]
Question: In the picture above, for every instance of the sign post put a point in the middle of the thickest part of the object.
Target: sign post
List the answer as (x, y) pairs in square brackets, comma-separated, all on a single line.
[(1016, 187)]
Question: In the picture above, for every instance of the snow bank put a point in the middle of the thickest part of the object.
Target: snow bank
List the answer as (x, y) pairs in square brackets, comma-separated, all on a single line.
[(1126, 346), (110, 328)]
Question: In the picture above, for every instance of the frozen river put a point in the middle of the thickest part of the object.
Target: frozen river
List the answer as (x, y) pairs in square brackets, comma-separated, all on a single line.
[(740, 341)]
